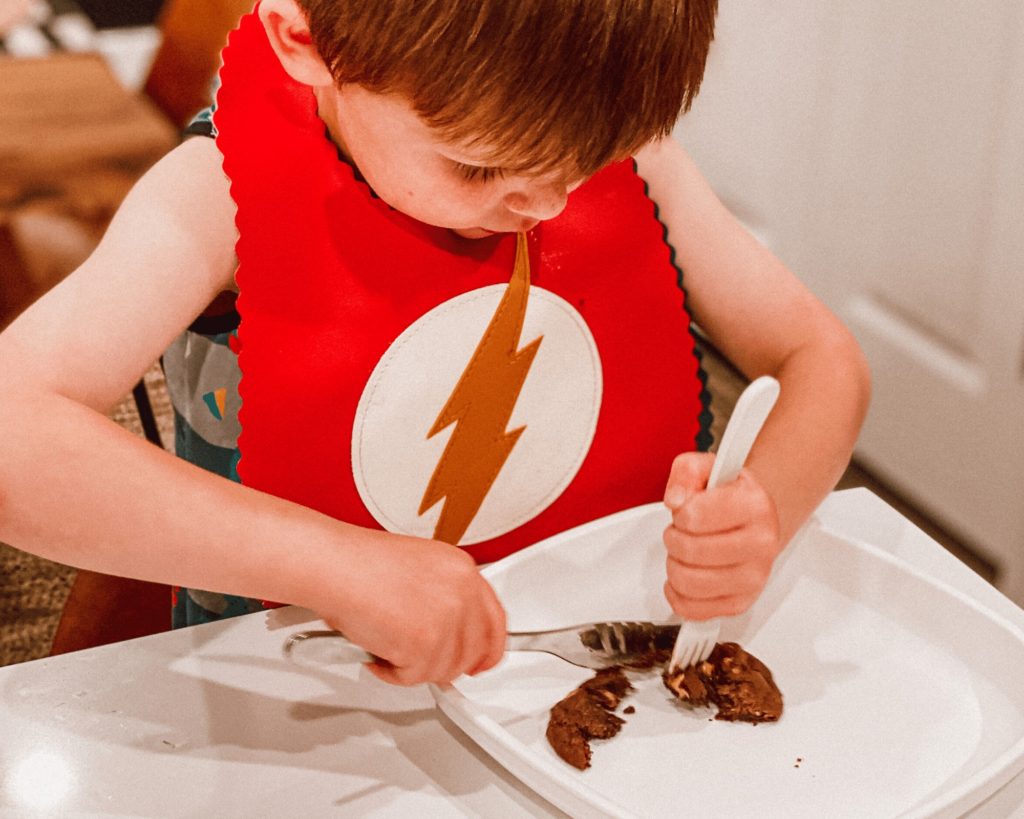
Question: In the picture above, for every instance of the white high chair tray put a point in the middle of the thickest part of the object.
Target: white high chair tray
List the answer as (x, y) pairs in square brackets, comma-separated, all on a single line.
[(903, 697)]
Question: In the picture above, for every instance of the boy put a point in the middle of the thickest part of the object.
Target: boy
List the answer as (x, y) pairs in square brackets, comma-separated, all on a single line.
[(461, 324)]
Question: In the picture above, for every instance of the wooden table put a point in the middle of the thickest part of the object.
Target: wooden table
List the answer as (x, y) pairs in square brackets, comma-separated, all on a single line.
[(72, 142)]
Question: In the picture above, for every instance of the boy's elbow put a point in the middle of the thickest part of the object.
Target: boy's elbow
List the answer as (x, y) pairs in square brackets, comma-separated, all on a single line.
[(855, 370)]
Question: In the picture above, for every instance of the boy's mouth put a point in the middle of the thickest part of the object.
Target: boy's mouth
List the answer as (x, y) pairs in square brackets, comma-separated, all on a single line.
[(473, 233), (483, 233)]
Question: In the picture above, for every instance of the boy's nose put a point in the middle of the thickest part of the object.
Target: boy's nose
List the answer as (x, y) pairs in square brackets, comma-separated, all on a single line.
[(537, 200)]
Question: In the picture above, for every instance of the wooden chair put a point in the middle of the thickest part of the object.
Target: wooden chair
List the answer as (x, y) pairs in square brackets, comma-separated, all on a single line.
[(194, 32)]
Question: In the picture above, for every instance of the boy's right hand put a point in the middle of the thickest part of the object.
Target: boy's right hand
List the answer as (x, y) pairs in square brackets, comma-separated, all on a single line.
[(422, 607)]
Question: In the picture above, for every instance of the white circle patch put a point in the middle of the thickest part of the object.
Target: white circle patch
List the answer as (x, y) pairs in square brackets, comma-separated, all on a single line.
[(392, 457)]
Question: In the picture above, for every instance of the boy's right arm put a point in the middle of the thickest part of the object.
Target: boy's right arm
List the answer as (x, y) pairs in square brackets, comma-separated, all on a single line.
[(77, 488)]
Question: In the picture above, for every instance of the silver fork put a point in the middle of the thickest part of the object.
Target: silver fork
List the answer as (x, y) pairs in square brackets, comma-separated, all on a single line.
[(697, 638), (589, 645)]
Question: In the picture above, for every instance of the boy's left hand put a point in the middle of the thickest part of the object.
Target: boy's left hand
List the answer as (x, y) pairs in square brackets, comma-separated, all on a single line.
[(721, 542)]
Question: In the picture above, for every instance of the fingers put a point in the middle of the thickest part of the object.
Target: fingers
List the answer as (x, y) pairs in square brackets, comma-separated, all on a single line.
[(497, 632), (725, 507), (482, 643), (695, 609), (468, 641), (740, 545), (709, 583), (689, 475), (716, 575), (389, 674), (721, 543), (439, 666)]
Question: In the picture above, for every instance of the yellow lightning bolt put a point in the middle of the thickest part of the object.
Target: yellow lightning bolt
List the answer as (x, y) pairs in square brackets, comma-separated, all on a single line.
[(480, 407)]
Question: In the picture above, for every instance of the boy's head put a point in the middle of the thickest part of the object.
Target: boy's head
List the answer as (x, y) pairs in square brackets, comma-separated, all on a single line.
[(551, 89), (566, 84)]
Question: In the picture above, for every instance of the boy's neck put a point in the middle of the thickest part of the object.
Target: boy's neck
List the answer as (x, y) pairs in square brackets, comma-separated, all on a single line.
[(327, 110)]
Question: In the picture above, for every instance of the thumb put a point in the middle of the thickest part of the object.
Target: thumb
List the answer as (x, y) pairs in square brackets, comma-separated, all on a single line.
[(689, 475)]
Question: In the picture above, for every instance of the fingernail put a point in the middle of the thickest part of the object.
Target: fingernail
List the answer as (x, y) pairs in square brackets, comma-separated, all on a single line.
[(675, 497)]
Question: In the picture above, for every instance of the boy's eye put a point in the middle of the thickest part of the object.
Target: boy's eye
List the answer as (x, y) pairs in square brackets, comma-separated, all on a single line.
[(478, 173)]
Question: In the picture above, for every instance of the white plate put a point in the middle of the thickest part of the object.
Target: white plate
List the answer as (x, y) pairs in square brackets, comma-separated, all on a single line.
[(902, 696)]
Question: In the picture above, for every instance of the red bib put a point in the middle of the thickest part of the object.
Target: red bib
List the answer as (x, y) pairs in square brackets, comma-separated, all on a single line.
[(395, 375)]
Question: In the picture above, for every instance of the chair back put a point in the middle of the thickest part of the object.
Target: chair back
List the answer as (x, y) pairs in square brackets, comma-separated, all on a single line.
[(194, 32)]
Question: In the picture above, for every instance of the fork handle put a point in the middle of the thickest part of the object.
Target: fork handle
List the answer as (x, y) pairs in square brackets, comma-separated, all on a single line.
[(696, 639), (745, 423)]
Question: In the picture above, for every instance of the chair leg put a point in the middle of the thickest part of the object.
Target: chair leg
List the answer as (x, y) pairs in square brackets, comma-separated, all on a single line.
[(146, 417), (103, 609)]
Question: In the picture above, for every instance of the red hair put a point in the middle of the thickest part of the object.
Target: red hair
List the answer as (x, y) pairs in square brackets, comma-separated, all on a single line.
[(537, 84)]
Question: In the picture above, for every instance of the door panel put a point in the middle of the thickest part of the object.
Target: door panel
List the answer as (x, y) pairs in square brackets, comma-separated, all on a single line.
[(878, 149)]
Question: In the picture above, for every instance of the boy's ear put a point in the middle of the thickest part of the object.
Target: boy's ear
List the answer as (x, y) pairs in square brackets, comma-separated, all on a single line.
[(289, 35)]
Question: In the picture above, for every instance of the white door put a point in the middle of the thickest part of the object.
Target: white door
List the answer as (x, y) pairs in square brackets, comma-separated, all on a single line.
[(877, 146)]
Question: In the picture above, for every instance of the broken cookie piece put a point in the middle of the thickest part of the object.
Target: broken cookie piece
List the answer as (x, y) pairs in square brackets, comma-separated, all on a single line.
[(732, 679), (688, 685), (608, 686), (587, 714)]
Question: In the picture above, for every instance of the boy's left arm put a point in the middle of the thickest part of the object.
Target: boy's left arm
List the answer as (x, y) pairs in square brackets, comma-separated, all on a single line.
[(722, 543)]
